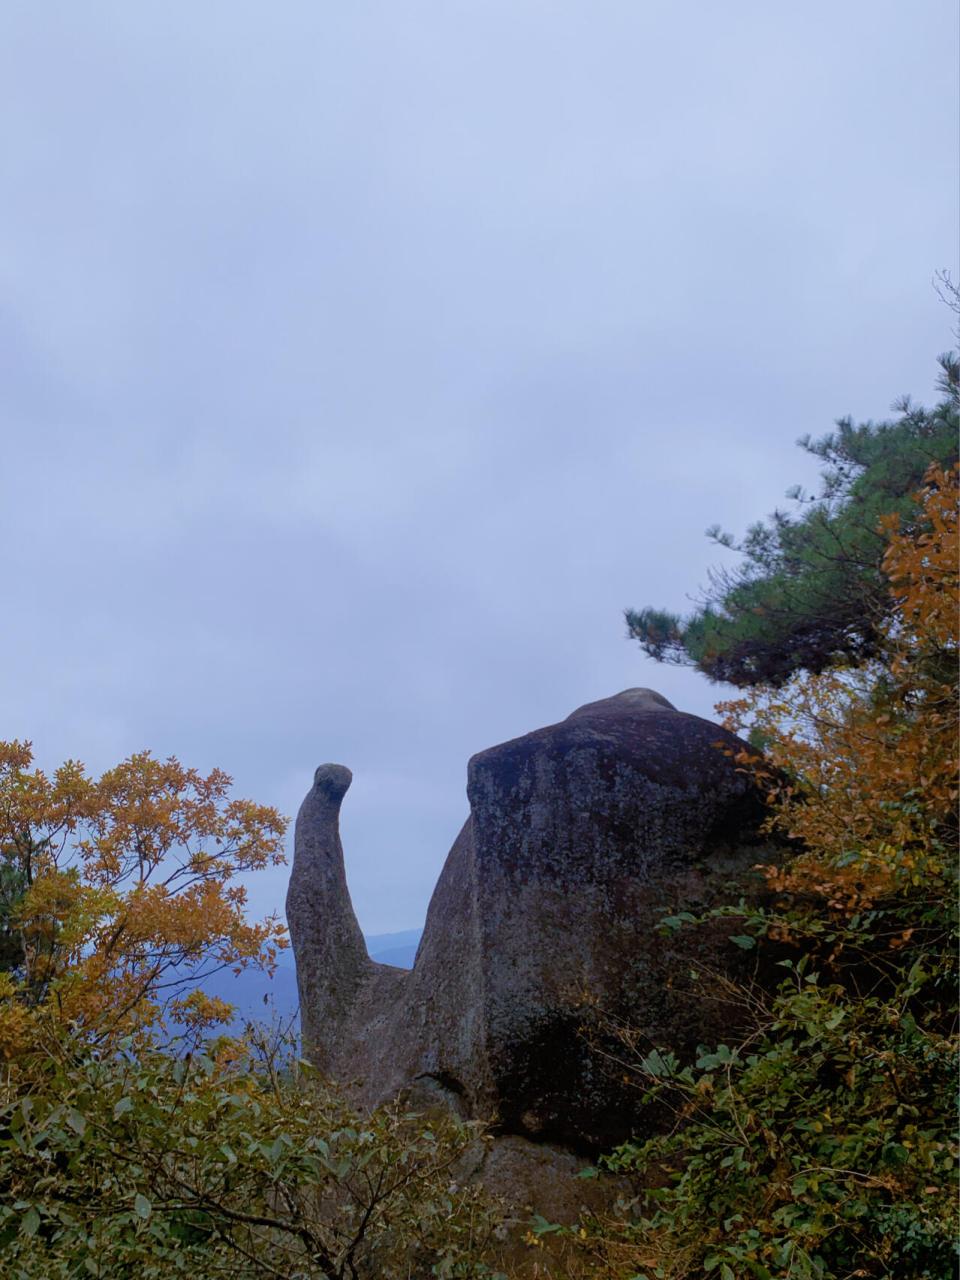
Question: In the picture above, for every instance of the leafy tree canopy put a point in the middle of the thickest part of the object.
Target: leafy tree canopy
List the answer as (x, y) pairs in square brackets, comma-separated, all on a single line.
[(819, 1143), (133, 1139), (119, 893), (810, 590)]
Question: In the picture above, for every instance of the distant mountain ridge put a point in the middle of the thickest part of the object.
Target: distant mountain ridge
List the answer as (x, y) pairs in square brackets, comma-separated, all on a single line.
[(398, 949), (257, 997)]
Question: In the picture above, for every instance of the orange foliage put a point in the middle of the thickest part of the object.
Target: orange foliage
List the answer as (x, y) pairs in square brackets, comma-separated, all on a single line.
[(864, 763), (118, 889)]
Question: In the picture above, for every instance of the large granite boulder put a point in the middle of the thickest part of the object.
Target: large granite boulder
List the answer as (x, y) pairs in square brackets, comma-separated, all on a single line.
[(581, 837)]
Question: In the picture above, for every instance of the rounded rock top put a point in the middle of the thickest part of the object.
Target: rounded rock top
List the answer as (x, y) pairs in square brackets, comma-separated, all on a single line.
[(332, 780), (628, 700)]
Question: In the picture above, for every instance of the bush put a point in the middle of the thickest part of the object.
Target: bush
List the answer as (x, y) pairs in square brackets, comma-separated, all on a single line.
[(223, 1163)]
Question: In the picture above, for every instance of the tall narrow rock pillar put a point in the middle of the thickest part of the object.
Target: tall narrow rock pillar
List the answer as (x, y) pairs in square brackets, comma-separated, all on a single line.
[(332, 960)]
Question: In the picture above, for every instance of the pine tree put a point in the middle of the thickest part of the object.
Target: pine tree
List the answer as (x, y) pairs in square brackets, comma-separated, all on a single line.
[(810, 590)]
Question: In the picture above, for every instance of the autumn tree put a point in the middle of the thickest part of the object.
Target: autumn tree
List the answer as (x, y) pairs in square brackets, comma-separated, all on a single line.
[(120, 894), (862, 765), (135, 1139)]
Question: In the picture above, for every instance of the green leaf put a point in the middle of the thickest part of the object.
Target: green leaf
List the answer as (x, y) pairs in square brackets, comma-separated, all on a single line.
[(744, 941), (719, 1058), (659, 1065), (122, 1107), (675, 922), (76, 1122), (142, 1206), (30, 1222)]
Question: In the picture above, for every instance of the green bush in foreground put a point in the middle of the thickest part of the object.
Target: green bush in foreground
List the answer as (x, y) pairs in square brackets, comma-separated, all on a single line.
[(148, 1165), (820, 1146)]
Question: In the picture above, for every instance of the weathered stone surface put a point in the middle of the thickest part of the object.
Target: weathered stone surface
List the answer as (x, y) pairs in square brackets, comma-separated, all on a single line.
[(581, 836)]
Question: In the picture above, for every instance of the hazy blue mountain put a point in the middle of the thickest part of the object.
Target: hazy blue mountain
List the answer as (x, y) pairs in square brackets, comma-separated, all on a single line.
[(394, 948), (256, 996), (402, 957), (263, 999)]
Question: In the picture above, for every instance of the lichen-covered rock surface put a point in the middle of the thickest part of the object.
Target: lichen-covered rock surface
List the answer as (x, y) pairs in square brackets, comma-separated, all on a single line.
[(581, 837)]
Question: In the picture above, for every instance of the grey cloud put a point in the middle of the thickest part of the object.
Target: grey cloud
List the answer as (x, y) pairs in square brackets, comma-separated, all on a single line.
[(361, 363)]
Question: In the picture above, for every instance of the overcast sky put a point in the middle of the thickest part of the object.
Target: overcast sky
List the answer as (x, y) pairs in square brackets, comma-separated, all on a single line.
[(362, 361)]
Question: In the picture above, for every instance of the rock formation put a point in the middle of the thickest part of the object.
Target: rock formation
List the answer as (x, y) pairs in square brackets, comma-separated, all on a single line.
[(581, 836)]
